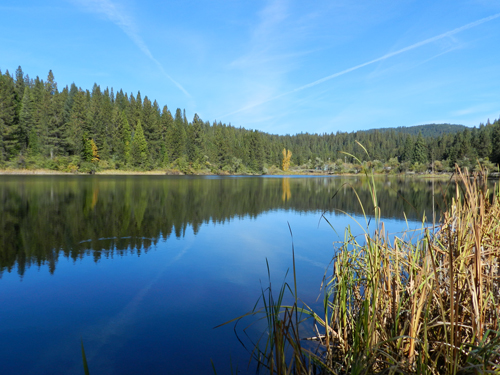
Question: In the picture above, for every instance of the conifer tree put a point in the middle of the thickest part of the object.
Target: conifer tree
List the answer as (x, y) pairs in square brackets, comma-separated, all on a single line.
[(484, 142), (495, 154), (157, 134), (222, 147), (25, 119), (195, 140), (126, 138), (408, 149), (166, 125), (467, 150), (177, 137), (94, 119), (151, 127), (420, 150), (139, 147), (131, 115), (76, 127), (48, 115), (33, 143), (8, 122), (107, 126), (20, 84), (52, 108), (87, 152), (138, 108), (256, 151), (115, 130), (121, 100), (56, 130), (68, 105)]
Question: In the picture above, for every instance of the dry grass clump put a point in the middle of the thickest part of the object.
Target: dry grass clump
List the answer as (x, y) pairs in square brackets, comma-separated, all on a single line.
[(423, 305)]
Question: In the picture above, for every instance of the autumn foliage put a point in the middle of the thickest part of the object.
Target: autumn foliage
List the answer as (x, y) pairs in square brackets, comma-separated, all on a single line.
[(287, 155)]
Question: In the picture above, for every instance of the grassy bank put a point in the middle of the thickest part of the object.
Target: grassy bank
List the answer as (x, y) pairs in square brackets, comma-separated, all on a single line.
[(416, 304)]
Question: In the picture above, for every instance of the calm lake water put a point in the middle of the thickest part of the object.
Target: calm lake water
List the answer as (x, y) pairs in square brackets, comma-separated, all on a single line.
[(142, 268)]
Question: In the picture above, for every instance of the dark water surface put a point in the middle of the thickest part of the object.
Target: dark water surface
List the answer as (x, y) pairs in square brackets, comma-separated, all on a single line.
[(143, 267)]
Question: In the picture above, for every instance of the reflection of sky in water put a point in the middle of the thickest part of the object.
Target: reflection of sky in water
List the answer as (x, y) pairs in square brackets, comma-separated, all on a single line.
[(153, 312)]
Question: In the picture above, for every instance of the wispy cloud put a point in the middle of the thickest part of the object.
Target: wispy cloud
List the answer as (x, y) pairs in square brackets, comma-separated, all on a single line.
[(384, 57), (480, 108), (120, 18), (268, 53)]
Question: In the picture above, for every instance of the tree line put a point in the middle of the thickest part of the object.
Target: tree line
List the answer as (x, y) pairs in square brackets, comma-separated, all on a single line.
[(73, 129)]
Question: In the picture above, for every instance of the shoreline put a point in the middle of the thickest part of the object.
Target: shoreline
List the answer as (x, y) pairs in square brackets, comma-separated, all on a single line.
[(174, 172)]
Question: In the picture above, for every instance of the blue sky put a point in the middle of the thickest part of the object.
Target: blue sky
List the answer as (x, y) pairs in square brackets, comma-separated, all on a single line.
[(278, 66)]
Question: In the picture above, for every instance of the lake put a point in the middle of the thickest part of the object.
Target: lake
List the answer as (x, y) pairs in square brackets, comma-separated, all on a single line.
[(142, 268)]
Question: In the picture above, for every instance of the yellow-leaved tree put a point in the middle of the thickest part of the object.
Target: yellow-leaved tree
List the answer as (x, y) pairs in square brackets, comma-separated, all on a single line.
[(287, 156), (95, 155)]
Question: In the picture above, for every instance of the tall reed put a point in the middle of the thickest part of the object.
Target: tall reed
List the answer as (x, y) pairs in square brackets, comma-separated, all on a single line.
[(428, 304)]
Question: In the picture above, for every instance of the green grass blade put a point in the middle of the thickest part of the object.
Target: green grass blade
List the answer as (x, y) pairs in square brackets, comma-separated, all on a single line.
[(84, 359)]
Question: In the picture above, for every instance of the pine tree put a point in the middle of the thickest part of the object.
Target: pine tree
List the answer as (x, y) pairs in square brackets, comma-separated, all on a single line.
[(151, 127), (484, 142), (222, 147), (256, 152), (8, 122), (178, 136), (48, 115), (107, 127), (94, 121), (467, 151), (195, 140), (56, 122), (138, 110), (52, 109), (408, 149), (139, 147), (68, 105), (121, 100), (495, 154), (420, 151), (25, 119), (407, 155), (166, 128), (87, 149), (33, 143), (131, 112), (20, 84), (126, 138), (76, 126)]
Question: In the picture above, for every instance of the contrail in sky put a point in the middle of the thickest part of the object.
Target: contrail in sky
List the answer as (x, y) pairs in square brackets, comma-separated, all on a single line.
[(384, 57), (124, 22)]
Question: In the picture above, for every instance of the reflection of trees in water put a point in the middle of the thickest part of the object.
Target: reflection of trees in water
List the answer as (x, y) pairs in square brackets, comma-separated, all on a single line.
[(43, 217), (285, 184)]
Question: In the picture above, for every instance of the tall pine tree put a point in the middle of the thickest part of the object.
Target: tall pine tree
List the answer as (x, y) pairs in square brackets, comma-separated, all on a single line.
[(139, 147), (420, 151)]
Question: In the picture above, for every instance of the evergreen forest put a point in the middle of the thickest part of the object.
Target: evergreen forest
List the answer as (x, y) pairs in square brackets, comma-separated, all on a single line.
[(80, 130)]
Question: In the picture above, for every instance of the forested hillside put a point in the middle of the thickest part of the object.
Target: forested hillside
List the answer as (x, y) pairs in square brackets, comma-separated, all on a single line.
[(72, 129), (429, 130)]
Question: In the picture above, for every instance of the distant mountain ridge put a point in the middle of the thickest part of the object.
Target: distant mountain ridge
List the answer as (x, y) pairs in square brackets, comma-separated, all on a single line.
[(427, 130)]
